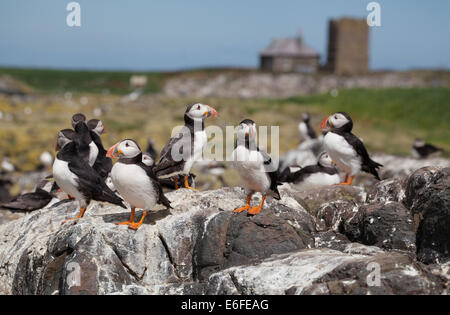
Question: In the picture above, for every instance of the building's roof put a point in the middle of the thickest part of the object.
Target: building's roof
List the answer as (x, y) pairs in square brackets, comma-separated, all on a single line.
[(289, 47)]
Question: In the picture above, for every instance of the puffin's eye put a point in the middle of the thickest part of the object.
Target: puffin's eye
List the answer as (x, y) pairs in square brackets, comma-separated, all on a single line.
[(126, 144), (198, 106), (335, 117)]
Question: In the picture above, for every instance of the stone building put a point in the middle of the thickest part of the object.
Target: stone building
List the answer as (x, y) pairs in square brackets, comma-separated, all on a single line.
[(348, 46), (289, 55)]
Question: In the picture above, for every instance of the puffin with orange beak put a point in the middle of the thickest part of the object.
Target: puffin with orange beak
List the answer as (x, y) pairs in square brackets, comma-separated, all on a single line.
[(135, 181), (186, 147), (346, 149), (254, 167)]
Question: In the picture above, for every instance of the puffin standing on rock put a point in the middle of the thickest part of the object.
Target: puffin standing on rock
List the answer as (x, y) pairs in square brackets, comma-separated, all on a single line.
[(135, 181), (186, 147), (76, 178), (346, 149), (253, 166)]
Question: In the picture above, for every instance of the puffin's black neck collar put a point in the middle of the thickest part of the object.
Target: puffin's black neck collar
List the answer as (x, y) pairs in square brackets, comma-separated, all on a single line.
[(133, 160), (191, 124), (249, 144)]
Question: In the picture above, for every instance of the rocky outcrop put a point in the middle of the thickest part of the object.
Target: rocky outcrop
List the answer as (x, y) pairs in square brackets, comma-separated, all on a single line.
[(254, 84), (428, 198), (331, 240)]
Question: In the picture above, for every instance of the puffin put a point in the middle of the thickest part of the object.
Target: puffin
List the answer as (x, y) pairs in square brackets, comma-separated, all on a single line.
[(46, 161), (186, 147), (102, 164), (147, 159), (151, 149), (43, 194), (86, 146), (135, 181), (422, 150), (254, 167), (78, 179), (324, 173), (346, 149), (305, 128)]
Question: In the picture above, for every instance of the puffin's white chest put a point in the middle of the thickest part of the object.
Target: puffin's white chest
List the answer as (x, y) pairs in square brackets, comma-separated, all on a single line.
[(133, 184), (93, 153), (303, 130), (318, 180), (65, 179), (200, 140), (342, 153), (250, 166)]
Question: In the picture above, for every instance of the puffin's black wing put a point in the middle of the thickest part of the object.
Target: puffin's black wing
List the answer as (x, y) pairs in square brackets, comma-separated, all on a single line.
[(103, 164), (311, 133), (98, 142), (82, 140), (152, 151), (91, 184), (300, 175), (427, 149), (29, 201), (273, 175), (368, 165), (167, 164), (162, 199)]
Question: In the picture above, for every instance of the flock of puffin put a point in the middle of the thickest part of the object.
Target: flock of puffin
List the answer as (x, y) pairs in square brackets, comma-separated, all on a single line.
[(84, 169)]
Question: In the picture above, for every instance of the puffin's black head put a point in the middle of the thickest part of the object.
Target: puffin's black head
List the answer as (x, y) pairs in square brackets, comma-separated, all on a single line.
[(305, 117), (64, 136), (338, 121), (78, 118), (97, 126)]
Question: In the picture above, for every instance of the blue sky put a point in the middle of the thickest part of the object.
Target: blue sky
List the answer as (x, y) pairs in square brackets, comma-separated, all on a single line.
[(177, 34)]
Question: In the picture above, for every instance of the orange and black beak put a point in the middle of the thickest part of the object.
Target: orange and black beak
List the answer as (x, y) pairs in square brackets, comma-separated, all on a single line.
[(325, 124), (113, 152), (211, 112)]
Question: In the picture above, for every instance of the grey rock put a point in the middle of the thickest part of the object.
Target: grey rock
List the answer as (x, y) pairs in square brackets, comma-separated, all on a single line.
[(428, 198), (326, 271), (385, 225)]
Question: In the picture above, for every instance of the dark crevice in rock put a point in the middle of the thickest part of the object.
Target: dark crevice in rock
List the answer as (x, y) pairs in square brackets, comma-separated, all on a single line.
[(236, 283), (124, 264)]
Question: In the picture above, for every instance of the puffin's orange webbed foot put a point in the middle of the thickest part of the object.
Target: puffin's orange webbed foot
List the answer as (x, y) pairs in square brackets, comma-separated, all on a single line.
[(347, 182), (186, 184), (256, 210), (135, 226), (130, 221), (238, 210), (246, 207)]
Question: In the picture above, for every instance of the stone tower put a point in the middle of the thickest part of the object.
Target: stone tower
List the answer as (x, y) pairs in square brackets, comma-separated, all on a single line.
[(348, 46)]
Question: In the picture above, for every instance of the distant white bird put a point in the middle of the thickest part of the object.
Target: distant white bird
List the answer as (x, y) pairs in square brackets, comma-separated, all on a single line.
[(46, 159), (7, 166)]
